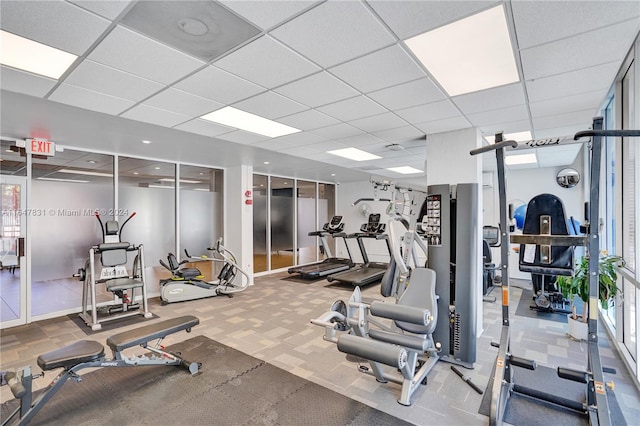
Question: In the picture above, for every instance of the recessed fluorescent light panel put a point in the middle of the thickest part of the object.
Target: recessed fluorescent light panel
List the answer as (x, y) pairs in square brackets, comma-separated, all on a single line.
[(84, 172), (468, 55), (354, 154), (405, 170), (513, 160), (63, 180), (28, 55), (518, 137), (181, 180), (243, 120)]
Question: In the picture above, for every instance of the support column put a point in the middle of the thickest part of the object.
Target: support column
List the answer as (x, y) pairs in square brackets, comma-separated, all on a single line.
[(238, 224)]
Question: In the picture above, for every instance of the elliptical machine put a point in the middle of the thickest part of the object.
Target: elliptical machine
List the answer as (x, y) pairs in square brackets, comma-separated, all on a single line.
[(188, 283)]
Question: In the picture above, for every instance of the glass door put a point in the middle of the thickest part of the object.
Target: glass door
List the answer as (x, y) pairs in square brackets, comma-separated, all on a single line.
[(13, 282)]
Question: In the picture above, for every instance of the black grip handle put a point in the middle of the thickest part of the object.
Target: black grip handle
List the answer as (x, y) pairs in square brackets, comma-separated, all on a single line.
[(573, 375), (17, 389), (494, 146), (529, 364), (606, 133), (164, 264)]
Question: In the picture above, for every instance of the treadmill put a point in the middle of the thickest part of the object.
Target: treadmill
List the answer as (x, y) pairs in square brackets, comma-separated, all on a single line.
[(330, 265), (369, 272)]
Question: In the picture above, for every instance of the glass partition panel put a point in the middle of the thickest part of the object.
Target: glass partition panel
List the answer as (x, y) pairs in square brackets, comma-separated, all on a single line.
[(148, 188), (326, 210), (200, 214), (13, 163), (282, 222), (66, 190), (307, 245), (260, 191)]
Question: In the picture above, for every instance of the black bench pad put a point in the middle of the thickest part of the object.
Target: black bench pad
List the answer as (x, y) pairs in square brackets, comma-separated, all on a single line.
[(150, 332), (73, 354)]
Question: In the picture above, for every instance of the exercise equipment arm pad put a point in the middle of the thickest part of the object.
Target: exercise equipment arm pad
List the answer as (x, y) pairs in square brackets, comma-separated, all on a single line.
[(385, 353), (401, 313), (17, 389)]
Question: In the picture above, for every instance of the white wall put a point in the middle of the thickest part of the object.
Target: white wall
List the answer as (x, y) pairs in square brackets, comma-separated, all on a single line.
[(238, 235)]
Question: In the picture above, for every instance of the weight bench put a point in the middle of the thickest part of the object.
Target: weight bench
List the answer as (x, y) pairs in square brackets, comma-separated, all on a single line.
[(89, 353)]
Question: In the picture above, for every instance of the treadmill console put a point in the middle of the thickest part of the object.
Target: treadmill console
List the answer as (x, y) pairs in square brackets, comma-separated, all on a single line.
[(335, 225), (373, 226)]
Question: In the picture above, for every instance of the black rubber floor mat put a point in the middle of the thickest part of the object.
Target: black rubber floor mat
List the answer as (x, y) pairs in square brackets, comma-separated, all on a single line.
[(233, 389)]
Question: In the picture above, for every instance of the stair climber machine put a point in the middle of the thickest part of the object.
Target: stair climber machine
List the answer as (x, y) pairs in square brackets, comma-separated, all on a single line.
[(113, 254), (369, 272), (330, 265), (188, 283), (417, 338)]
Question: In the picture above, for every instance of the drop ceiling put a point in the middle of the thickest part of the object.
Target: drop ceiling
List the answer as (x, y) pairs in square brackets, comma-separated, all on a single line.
[(339, 71)]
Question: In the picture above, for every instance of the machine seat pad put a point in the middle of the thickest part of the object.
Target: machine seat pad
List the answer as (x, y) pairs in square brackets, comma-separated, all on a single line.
[(188, 273), (145, 334), (117, 284), (71, 355), (416, 343)]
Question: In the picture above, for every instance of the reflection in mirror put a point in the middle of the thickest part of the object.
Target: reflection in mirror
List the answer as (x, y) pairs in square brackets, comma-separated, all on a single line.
[(260, 188), (568, 177)]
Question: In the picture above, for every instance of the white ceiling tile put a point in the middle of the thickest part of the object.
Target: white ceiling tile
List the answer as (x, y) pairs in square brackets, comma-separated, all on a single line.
[(101, 78), (219, 85), (182, 102), (582, 118), (318, 89), (512, 113), (568, 103), (153, 115), (384, 68), (274, 145), (399, 134), (308, 120), (353, 31), (378, 122), (108, 9), (331, 146), (572, 83), (24, 82), (361, 141), (301, 138), (429, 112), (129, 51), (417, 92), (266, 14), (352, 109), (270, 105), (300, 151), (55, 23), (444, 125), (540, 22), (506, 127), (88, 99), (410, 18), (581, 51), (495, 98), (204, 127), (240, 136), (267, 62), (336, 131)]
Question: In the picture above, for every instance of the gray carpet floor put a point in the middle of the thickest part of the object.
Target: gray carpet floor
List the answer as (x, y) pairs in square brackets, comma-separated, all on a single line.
[(271, 322)]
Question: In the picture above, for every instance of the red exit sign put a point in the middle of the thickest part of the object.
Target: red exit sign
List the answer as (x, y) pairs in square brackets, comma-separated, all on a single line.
[(40, 147)]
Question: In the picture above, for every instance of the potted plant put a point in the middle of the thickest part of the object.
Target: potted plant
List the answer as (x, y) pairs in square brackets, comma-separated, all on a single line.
[(578, 285)]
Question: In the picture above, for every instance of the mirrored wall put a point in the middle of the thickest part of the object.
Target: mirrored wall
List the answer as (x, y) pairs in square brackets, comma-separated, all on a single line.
[(285, 210)]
